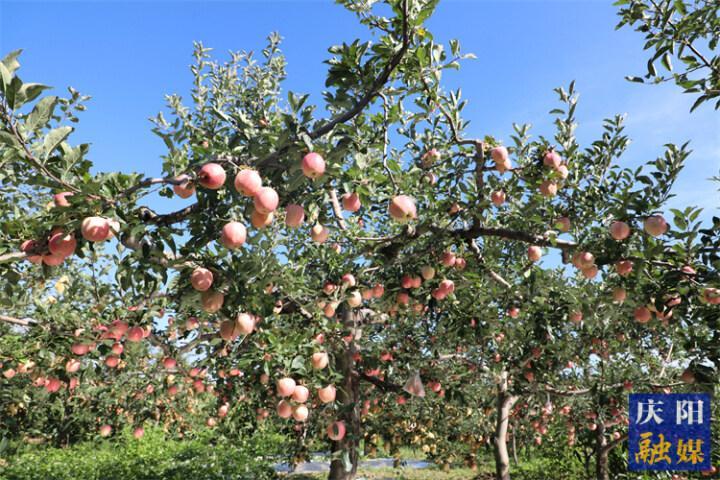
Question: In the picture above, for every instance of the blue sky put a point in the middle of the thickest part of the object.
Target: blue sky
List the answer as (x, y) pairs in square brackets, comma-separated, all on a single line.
[(127, 55)]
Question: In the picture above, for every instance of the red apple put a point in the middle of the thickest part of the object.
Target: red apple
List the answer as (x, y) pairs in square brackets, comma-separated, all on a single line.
[(619, 230), (351, 202), (562, 224), (319, 360), (548, 188), (212, 301), (711, 295), (448, 259), (248, 182), (655, 225), (583, 260), (228, 332), (619, 295), (327, 394), (185, 189), (233, 235), (348, 280), (61, 243), (285, 387), (497, 197), (135, 334), (501, 158), (319, 233), (266, 200), (313, 165), (294, 215), (300, 394), (402, 208), (427, 272), (642, 315), (80, 349), (687, 376), (95, 229), (562, 170), (284, 409), (28, 246), (61, 199), (201, 279), (300, 413), (552, 159), (245, 324), (212, 176), (534, 253), (354, 299), (430, 157), (624, 267), (336, 431), (261, 220), (53, 260)]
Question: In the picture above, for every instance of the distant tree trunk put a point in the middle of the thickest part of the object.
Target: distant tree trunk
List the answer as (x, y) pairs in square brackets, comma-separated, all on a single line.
[(505, 403), (514, 447), (348, 398), (601, 453)]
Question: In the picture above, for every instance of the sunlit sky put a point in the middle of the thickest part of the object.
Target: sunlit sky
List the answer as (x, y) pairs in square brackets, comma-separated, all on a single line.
[(128, 55)]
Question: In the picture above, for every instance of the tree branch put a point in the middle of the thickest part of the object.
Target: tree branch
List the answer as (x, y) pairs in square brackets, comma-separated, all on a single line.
[(360, 105), (25, 322), (337, 210), (381, 384)]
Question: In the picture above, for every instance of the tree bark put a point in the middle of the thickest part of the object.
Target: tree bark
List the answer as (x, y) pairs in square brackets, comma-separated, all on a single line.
[(514, 446), (601, 453), (505, 403), (348, 399)]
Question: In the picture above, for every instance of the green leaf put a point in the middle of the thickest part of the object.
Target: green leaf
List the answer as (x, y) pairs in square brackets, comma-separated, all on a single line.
[(10, 61), (635, 79), (680, 7), (651, 69), (667, 62), (54, 138), (7, 138), (307, 141), (42, 113), (5, 77), (698, 102)]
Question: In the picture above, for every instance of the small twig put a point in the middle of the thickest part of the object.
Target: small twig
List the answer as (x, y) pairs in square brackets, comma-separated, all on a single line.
[(30, 156), (385, 140)]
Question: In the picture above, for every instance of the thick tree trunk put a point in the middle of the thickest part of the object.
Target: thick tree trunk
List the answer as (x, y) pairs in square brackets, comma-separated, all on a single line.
[(505, 403), (346, 451), (601, 453)]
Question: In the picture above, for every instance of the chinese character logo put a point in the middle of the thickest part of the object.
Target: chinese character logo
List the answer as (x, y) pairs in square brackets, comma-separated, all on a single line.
[(669, 432)]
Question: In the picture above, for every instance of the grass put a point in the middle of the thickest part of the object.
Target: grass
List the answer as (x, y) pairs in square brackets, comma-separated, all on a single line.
[(400, 474)]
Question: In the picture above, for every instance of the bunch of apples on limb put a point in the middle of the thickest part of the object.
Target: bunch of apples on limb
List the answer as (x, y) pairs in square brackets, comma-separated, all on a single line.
[(63, 360), (306, 242)]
